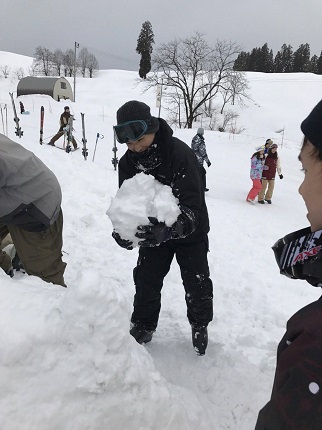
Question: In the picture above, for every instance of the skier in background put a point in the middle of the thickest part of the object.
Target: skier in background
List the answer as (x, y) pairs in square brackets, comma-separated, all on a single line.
[(64, 122), (199, 148), (268, 144), (256, 168), (272, 163), (30, 210)]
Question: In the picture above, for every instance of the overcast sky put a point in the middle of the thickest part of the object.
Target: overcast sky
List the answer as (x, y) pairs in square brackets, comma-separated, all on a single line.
[(109, 29)]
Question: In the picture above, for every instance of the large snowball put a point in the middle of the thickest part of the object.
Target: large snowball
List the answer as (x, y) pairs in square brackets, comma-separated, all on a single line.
[(139, 198)]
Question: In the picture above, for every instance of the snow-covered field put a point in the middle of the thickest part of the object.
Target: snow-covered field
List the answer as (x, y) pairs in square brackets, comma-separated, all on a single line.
[(67, 360)]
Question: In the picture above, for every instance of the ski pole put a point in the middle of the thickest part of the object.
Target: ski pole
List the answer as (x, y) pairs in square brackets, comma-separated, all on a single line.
[(5, 106), (2, 120), (97, 136)]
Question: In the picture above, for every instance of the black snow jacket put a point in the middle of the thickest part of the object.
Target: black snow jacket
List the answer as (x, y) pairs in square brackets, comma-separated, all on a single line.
[(178, 168)]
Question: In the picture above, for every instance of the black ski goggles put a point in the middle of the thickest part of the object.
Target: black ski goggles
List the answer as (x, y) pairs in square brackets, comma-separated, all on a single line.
[(131, 130)]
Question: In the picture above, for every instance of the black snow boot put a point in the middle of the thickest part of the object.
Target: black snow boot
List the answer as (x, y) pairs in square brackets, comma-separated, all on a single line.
[(200, 339), (16, 263), (141, 336)]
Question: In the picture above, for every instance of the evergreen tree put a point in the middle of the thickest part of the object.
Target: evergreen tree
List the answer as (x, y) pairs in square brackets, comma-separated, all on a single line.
[(319, 65), (284, 61), (301, 58), (314, 64), (144, 48), (254, 60), (241, 62), (278, 63), (265, 59)]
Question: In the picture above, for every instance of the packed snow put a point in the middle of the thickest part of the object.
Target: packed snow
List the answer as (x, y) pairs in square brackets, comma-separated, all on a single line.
[(67, 360), (138, 199)]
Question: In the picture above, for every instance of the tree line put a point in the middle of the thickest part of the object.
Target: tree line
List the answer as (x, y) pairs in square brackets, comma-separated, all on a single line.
[(59, 63), (285, 61)]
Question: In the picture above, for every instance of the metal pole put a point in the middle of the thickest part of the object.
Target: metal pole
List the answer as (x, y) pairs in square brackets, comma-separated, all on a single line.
[(76, 46), (160, 96)]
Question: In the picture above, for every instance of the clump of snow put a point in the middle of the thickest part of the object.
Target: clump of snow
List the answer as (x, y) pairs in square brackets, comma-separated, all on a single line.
[(139, 198)]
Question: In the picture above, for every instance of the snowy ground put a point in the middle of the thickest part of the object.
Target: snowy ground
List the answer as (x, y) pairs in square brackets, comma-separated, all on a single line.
[(67, 360)]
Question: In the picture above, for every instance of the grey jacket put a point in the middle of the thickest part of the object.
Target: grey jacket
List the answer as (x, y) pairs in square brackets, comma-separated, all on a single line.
[(30, 194), (199, 148)]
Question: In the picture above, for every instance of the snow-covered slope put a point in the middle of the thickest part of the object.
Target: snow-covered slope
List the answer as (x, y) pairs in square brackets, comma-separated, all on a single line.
[(67, 360)]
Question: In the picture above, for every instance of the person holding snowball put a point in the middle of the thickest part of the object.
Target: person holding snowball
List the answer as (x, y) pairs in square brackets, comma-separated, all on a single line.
[(152, 149)]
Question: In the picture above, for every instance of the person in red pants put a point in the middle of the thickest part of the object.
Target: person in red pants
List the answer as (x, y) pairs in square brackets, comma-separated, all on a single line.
[(256, 169)]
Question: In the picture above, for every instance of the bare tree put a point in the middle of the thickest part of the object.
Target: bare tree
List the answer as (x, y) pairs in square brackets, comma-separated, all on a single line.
[(19, 73), (58, 61), (44, 59), (5, 70), (82, 60), (229, 116), (92, 65), (194, 69), (69, 62), (234, 89)]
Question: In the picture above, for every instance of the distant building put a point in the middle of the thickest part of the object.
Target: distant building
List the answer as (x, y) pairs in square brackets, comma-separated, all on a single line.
[(57, 88)]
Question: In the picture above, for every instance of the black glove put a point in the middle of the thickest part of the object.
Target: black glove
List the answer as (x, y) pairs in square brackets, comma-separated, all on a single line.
[(281, 176), (123, 243), (208, 163), (154, 233)]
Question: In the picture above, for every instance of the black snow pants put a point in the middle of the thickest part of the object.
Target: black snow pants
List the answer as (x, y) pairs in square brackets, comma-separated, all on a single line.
[(154, 264)]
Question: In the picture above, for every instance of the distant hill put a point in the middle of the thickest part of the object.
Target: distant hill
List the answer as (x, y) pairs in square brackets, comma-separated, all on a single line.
[(14, 62)]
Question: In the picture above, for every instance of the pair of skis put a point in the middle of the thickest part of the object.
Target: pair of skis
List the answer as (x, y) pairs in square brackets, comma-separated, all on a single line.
[(18, 131)]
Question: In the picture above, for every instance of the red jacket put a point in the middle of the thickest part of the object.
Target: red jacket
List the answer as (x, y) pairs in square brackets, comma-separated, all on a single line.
[(272, 163)]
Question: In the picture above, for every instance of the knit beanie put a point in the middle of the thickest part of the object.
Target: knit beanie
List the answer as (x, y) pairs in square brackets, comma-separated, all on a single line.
[(135, 110), (269, 142), (200, 131), (312, 126)]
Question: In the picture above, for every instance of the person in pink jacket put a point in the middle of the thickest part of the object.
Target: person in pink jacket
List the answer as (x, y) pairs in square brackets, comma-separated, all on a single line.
[(256, 169)]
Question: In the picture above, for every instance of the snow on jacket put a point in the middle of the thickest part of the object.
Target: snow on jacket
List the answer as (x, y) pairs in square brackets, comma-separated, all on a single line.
[(296, 401), (30, 195), (256, 167), (178, 168), (199, 148), (272, 162)]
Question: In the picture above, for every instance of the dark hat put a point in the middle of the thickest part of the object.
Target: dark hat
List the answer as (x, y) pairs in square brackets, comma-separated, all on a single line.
[(200, 131), (135, 110), (312, 126), (66, 107)]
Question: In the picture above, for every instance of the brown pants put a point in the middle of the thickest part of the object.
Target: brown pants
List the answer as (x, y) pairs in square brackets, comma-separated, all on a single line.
[(270, 188), (40, 252), (60, 134)]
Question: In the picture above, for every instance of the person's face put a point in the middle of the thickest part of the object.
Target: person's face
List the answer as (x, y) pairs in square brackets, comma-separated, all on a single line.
[(311, 187), (261, 153), (273, 150), (142, 144)]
